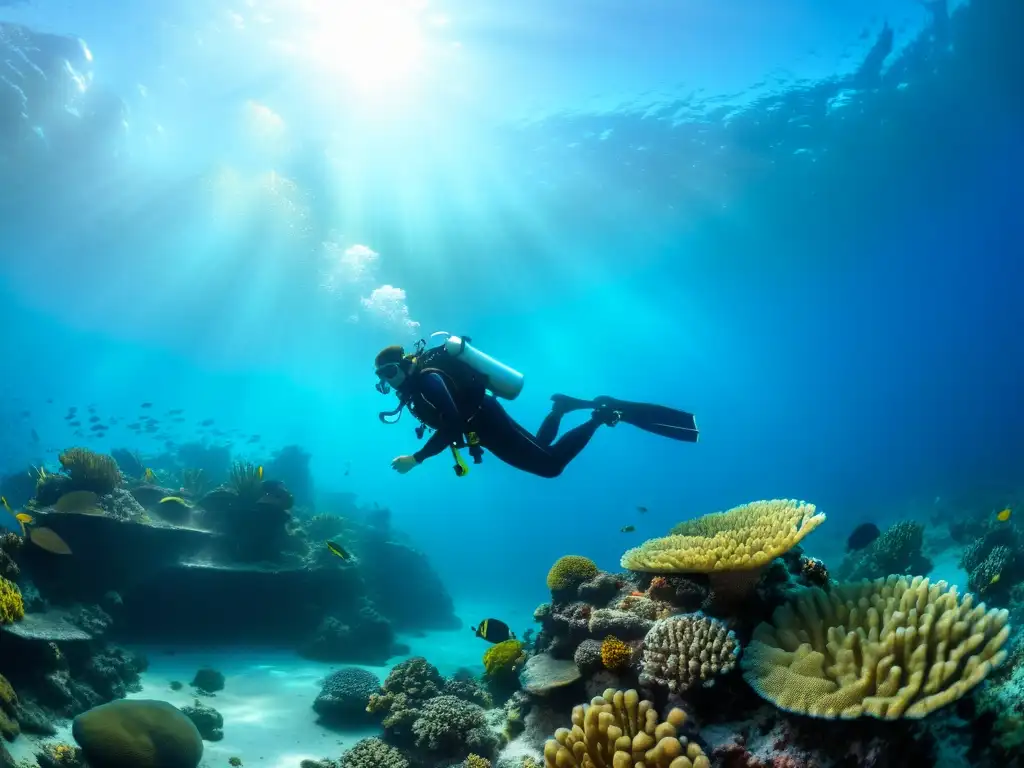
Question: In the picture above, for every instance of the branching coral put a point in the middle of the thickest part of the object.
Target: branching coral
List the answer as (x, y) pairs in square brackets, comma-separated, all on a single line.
[(618, 730), (731, 547), (569, 571), (889, 649), (12, 607), (615, 653), (90, 471), (683, 651)]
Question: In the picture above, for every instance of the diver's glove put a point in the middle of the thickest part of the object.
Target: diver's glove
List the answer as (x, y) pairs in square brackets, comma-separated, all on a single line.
[(403, 464)]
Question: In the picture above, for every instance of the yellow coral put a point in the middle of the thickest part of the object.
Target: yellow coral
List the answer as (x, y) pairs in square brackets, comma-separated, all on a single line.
[(731, 547), (615, 653), (12, 607), (9, 726), (618, 730), (570, 570), (889, 649), (475, 761), (503, 658)]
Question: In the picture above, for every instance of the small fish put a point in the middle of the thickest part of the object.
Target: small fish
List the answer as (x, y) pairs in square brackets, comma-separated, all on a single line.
[(994, 580), (1003, 516), (337, 549), (48, 540), (254, 439), (49, 401), (259, 471), (146, 405), (206, 423), (493, 631), (642, 510), (627, 528), (148, 475), (81, 502), (93, 419), (35, 436), (176, 412), (97, 428), (134, 425), (175, 501), (26, 414), (74, 423), (24, 519), (863, 535)]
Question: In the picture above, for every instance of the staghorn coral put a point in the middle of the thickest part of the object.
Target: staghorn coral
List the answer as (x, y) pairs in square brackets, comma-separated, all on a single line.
[(89, 471), (682, 651), (732, 547), (373, 753), (12, 607), (569, 571), (615, 653), (503, 658), (618, 730), (888, 649)]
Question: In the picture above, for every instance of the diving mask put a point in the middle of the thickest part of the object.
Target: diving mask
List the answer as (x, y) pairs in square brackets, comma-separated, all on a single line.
[(385, 373)]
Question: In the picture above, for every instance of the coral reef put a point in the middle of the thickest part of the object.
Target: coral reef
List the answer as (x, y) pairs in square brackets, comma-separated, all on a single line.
[(374, 753), (366, 637), (89, 471), (12, 606), (207, 720), (344, 695), (731, 547), (570, 571), (450, 728), (207, 681), (619, 729), (889, 649), (898, 550), (615, 654), (682, 651), (9, 711)]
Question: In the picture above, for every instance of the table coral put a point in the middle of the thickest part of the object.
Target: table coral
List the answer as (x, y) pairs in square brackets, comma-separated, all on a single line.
[(683, 651), (732, 547), (889, 649)]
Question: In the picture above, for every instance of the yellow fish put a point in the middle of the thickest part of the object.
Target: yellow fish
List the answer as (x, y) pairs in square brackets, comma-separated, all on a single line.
[(21, 517), (337, 549), (175, 501), (1003, 516), (148, 475), (995, 579), (259, 471), (46, 539), (78, 501)]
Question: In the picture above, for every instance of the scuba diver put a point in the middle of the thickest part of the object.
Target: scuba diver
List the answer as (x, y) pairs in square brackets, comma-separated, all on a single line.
[(453, 389)]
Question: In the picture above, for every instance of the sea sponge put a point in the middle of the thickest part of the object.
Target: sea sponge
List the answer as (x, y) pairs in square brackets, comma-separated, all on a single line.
[(618, 730), (90, 471), (732, 547), (890, 648), (682, 651), (615, 653), (12, 607), (502, 658), (138, 733), (569, 571)]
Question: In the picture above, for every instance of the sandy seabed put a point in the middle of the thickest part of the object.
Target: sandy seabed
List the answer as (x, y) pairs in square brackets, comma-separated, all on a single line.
[(268, 695)]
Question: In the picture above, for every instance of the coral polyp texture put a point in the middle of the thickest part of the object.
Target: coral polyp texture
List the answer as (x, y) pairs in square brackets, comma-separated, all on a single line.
[(615, 653), (619, 730), (688, 650), (12, 607), (732, 546), (569, 571), (890, 648)]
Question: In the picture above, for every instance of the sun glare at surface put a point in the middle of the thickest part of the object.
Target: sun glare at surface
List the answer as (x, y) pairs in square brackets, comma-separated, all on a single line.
[(370, 43)]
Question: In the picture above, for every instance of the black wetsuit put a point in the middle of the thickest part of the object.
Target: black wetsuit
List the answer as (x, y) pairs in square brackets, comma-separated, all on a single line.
[(499, 433)]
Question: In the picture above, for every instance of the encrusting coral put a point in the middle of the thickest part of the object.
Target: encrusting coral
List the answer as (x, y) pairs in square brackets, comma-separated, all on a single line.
[(890, 648), (615, 653), (683, 651), (570, 571), (618, 730), (732, 547)]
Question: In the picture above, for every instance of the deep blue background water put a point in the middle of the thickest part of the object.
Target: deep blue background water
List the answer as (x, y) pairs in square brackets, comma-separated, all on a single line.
[(825, 268)]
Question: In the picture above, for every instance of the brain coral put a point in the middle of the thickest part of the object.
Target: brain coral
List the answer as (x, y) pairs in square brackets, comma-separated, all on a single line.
[(735, 544), (138, 733), (682, 651), (618, 730), (889, 649), (570, 571)]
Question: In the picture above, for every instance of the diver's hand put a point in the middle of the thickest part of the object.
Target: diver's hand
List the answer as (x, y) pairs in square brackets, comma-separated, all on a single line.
[(403, 464)]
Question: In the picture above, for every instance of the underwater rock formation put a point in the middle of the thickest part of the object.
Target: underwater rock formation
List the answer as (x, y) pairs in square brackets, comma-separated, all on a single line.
[(207, 720), (898, 550), (138, 733)]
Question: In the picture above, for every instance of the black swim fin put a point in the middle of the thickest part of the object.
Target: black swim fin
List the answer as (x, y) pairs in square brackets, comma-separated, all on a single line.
[(657, 419)]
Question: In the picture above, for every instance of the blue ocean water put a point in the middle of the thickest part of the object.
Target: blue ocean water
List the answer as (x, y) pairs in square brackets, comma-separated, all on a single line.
[(784, 218)]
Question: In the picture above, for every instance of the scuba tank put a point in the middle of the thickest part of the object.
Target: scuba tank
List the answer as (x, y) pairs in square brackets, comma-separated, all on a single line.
[(503, 381)]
